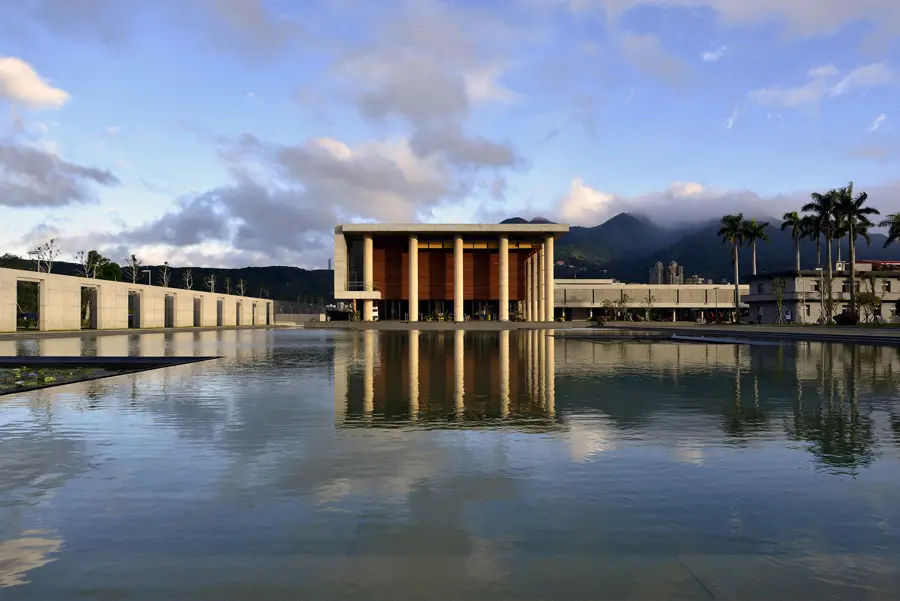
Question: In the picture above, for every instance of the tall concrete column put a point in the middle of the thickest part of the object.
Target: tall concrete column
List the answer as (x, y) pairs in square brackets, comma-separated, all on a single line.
[(459, 341), (458, 314), (368, 282), (538, 284), (504, 278), (504, 373), (413, 278), (549, 284), (414, 374), (528, 315)]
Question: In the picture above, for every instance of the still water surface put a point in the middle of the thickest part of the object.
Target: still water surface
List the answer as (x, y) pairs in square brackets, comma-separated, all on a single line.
[(443, 465)]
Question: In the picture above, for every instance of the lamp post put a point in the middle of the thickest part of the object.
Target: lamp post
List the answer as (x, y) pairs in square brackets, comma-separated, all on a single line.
[(149, 281), (821, 295)]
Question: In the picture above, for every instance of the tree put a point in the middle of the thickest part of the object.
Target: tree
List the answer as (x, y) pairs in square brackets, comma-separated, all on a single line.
[(187, 278), (754, 231), (241, 287), (822, 208), (132, 268), (854, 216), (892, 222), (44, 255), (868, 299), (648, 305), (227, 282), (85, 268), (812, 231), (732, 231), (164, 275), (263, 292), (795, 222), (210, 282), (778, 292), (608, 308)]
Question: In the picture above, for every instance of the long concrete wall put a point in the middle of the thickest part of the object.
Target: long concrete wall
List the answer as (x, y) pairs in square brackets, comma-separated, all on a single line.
[(60, 304)]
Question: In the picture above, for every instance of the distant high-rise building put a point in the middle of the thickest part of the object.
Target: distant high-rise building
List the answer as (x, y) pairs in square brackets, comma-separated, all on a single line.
[(673, 273), (656, 273)]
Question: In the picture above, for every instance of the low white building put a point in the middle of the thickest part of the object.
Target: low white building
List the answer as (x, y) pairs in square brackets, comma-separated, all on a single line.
[(803, 298), (583, 299)]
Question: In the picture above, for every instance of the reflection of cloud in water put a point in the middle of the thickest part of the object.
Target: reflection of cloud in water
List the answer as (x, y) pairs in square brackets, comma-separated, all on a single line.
[(688, 452), (18, 556), (587, 437)]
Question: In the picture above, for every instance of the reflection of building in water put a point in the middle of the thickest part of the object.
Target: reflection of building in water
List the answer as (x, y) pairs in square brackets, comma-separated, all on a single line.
[(19, 556), (446, 376)]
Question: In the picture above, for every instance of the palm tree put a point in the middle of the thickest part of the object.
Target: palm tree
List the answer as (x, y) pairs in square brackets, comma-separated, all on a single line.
[(892, 222), (822, 210), (733, 231), (795, 222), (854, 216), (810, 226), (754, 231)]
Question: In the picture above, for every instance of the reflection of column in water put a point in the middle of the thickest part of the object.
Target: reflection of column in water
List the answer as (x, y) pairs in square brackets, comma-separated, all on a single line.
[(542, 376), (550, 358), (368, 372), (63, 347), (504, 373), (532, 363), (112, 346), (459, 370), (228, 343), (414, 374), (183, 344), (152, 345), (340, 385), (7, 348)]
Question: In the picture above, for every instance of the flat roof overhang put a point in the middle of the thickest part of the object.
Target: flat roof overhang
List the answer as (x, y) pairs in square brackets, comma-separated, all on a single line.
[(452, 228)]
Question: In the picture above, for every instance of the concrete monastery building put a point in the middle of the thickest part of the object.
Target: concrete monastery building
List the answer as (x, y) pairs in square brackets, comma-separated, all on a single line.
[(415, 271)]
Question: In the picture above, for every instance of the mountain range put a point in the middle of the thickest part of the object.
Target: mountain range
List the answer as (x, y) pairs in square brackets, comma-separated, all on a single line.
[(623, 247), (626, 246)]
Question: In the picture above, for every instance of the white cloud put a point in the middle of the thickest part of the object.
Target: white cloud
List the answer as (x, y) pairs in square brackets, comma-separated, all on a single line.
[(823, 71), (645, 52), (802, 18), (863, 78), (680, 203), (711, 57), (729, 123), (482, 85), (821, 85), (20, 83), (879, 121)]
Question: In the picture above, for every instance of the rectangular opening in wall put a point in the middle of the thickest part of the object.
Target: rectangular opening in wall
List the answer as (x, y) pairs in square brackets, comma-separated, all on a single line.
[(198, 306), (88, 308), (28, 304), (237, 314), (169, 309), (134, 309), (268, 314), (253, 315), (220, 312)]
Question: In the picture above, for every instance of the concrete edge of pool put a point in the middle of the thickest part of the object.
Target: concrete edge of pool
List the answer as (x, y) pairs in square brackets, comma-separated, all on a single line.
[(119, 366)]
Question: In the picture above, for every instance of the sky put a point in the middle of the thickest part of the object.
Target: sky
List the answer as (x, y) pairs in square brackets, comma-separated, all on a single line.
[(239, 132)]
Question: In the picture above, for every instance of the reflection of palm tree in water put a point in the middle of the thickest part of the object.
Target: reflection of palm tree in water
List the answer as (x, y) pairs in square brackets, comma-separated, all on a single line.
[(841, 436), (743, 421)]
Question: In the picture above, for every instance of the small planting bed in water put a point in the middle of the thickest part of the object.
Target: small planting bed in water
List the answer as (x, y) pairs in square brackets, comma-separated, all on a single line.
[(19, 374)]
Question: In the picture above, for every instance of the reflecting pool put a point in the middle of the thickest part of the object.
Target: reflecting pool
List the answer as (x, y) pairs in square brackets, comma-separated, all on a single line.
[(451, 465)]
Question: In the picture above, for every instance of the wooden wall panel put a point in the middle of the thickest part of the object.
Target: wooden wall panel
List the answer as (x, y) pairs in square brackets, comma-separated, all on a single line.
[(481, 272)]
